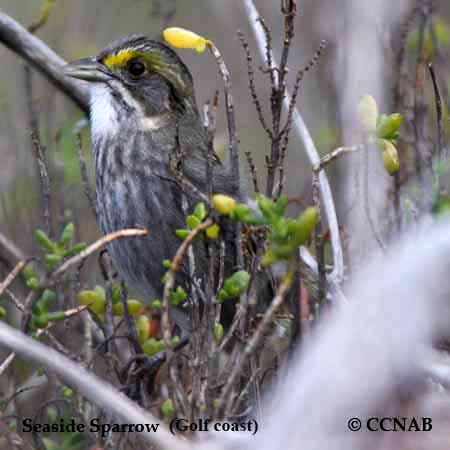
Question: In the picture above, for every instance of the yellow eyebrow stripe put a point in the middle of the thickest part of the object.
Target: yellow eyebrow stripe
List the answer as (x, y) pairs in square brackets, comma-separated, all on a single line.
[(121, 58)]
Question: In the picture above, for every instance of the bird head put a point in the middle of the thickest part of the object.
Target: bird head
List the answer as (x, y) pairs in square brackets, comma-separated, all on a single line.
[(138, 74)]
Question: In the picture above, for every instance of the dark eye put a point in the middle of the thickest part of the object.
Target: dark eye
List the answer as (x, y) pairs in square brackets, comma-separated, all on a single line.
[(136, 69)]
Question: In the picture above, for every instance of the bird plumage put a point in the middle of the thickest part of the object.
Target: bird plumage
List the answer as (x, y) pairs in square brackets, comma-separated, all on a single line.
[(138, 123)]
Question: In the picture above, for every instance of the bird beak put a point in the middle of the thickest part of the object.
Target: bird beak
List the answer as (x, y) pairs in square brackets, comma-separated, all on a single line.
[(87, 69)]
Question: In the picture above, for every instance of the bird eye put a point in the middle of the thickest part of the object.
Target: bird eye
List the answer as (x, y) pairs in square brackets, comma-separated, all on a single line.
[(136, 69)]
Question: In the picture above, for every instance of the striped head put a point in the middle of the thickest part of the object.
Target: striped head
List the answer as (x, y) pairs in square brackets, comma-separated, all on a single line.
[(134, 77)]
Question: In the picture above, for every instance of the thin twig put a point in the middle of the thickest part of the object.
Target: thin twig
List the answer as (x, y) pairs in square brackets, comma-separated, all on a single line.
[(438, 101), (12, 276), (44, 181), (253, 171), (97, 391), (253, 343), (251, 84), (168, 288), (84, 175), (329, 157), (233, 142), (312, 153), (44, 15), (319, 246), (97, 245)]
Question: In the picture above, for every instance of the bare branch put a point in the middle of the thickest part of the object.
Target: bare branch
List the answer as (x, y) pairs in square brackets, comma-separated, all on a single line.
[(45, 60), (311, 151), (131, 232), (44, 180), (84, 175), (91, 387), (12, 276), (225, 399)]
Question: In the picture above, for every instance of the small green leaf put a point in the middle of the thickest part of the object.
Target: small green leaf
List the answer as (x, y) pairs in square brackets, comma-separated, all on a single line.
[(266, 206), (390, 158), (156, 305), (222, 296), (218, 332), (368, 113), (152, 347), (67, 234), (40, 321), (44, 241), (213, 232), (56, 316), (47, 299), (33, 284), (168, 409), (237, 283), (182, 234), (143, 328), (178, 296), (77, 248), (52, 260), (200, 211), (192, 222), (67, 392), (388, 126), (306, 224)]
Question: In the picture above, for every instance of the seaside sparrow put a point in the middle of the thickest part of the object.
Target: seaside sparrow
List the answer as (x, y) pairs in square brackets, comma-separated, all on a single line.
[(143, 111)]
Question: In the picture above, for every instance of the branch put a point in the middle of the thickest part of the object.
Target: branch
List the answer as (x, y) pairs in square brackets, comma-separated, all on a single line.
[(91, 387), (94, 247), (311, 151), (225, 399), (12, 276), (42, 58)]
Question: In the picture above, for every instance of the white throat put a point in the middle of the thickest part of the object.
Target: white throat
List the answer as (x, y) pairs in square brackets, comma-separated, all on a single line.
[(104, 120), (104, 116)]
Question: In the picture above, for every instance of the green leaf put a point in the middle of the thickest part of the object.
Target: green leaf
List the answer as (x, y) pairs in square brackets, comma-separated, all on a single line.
[(168, 409), (237, 283), (182, 234), (178, 296), (152, 347), (47, 299), (77, 248), (56, 316), (200, 211), (52, 260), (218, 332), (143, 327), (67, 234), (306, 224), (33, 284), (266, 206), (213, 232), (280, 205), (156, 305), (44, 241), (388, 126), (192, 222)]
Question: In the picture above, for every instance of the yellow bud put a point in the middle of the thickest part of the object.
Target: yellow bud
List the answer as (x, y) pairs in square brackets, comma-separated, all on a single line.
[(223, 204), (181, 38), (368, 113), (390, 157)]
